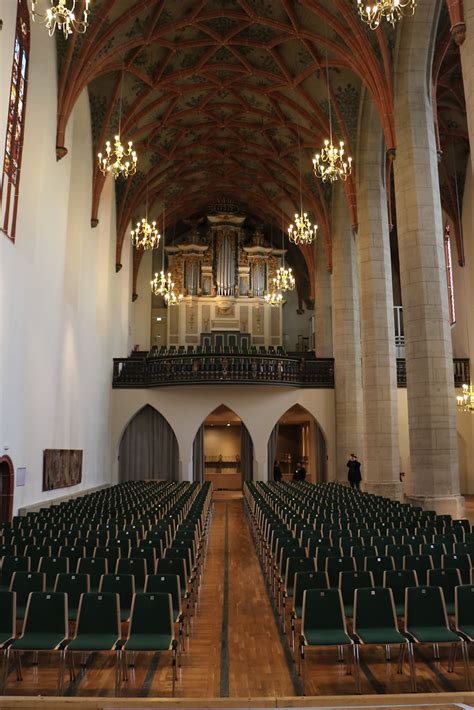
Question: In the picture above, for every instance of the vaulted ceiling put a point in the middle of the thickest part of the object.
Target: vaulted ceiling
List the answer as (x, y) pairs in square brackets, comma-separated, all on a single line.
[(223, 98)]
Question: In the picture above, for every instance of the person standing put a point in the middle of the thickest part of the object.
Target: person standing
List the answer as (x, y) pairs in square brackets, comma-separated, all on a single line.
[(276, 471), (300, 472), (354, 476)]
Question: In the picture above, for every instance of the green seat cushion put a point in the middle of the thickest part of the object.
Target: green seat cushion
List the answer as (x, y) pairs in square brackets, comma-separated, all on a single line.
[(37, 642), (467, 631), (381, 636), (333, 637), (148, 642), (433, 634), (93, 642)]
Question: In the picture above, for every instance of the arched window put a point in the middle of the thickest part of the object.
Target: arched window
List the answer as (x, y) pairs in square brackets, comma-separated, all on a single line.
[(10, 183)]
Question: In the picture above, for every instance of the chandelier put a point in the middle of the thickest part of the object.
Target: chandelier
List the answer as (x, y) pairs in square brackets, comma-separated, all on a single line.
[(330, 164), (62, 17), (302, 231), (162, 284), (372, 13), (273, 297), (465, 401), (118, 160), (285, 281), (145, 236)]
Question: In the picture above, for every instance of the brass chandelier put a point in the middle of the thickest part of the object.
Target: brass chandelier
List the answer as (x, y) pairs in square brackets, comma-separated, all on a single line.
[(60, 16), (373, 12), (273, 297), (330, 164), (302, 231), (284, 281), (120, 161), (465, 401), (145, 235), (162, 284)]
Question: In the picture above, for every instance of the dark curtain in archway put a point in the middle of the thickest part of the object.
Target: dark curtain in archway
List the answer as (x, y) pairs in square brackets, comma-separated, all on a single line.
[(271, 450), (321, 456), (198, 455), (149, 448), (246, 454)]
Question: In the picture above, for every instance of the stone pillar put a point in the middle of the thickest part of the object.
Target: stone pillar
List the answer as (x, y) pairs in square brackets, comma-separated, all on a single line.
[(346, 337), (467, 62), (429, 357), (381, 462), (322, 302)]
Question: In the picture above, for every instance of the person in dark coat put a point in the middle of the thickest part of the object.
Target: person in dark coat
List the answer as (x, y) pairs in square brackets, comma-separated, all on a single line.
[(300, 472), (354, 476), (276, 471)]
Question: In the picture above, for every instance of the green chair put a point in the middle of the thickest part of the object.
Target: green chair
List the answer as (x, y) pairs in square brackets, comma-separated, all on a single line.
[(435, 550), (170, 584), (151, 628), (111, 554), (23, 583), (147, 553), (74, 585), (10, 565), (460, 562), (304, 581), (95, 567), (45, 629), (398, 580), (7, 626), (348, 583), (135, 566), (335, 565), (170, 565), (359, 553), (464, 618), (448, 580), (378, 565), (73, 553), (294, 565), (124, 586), (97, 628), (35, 553), (323, 624), (375, 623), (426, 621), (51, 567), (421, 564), (398, 552)]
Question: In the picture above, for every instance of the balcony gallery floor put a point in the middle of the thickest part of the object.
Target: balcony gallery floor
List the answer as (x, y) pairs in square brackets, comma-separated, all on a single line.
[(238, 651)]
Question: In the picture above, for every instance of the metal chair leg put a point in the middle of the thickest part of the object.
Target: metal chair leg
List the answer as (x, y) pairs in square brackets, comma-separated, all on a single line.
[(388, 652), (355, 651), (465, 655), (62, 656), (401, 656), (6, 660), (19, 675), (411, 658)]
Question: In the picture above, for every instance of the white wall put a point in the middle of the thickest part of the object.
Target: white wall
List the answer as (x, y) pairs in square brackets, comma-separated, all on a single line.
[(294, 324), (259, 408), (64, 313), (141, 308)]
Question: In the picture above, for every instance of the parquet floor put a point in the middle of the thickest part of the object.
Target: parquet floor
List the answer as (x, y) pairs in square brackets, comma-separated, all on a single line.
[(237, 649)]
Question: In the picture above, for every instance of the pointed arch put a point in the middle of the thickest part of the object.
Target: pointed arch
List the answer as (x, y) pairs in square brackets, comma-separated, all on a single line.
[(7, 483), (148, 447)]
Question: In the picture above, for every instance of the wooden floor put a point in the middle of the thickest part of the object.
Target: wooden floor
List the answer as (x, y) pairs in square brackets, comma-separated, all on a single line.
[(238, 651)]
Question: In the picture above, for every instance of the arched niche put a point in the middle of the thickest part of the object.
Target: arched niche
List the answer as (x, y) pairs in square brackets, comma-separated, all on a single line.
[(148, 448), (223, 450), (7, 483), (298, 437)]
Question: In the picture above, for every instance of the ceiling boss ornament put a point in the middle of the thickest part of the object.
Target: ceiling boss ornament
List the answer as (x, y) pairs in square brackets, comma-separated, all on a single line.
[(61, 15), (373, 12)]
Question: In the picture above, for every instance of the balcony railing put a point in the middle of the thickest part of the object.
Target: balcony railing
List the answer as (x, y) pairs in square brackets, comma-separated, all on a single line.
[(222, 370), (290, 371)]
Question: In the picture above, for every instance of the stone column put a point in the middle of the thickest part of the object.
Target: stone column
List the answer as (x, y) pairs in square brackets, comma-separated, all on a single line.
[(322, 301), (346, 336), (467, 62), (429, 357), (381, 462)]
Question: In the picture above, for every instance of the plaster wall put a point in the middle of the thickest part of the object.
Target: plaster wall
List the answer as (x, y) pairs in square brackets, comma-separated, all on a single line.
[(64, 313)]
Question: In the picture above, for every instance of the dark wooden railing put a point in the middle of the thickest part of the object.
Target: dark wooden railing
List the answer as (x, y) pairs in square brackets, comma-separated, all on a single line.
[(223, 369), (291, 371)]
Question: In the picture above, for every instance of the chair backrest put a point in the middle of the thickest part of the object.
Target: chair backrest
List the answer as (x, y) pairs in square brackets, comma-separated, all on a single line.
[(294, 565), (378, 565), (350, 581), (51, 566), (95, 567), (166, 584), (374, 608), (461, 562), (308, 580), (171, 565), (121, 584), (7, 615), (11, 564), (72, 584), (322, 610), (447, 579), (99, 613), (152, 613), (398, 580), (436, 550), (46, 612), (425, 607), (421, 564), (464, 606), (25, 582), (334, 565), (135, 566)]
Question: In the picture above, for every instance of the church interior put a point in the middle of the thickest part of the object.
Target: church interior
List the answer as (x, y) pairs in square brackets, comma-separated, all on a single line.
[(236, 404)]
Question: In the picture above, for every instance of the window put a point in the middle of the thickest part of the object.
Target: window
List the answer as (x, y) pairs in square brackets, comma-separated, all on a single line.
[(449, 274), (10, 183)]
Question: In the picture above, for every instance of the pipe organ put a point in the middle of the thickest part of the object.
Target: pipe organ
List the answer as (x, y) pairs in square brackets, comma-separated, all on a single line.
[(224, 271)]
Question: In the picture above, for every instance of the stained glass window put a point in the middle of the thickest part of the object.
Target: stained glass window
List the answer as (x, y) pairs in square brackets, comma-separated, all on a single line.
[(449, 274), (10, 183)]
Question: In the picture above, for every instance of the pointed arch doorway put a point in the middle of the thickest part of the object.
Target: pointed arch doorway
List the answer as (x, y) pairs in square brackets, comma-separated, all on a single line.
[(7, 481), (298, 438), (148, 448), (223, 450)]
